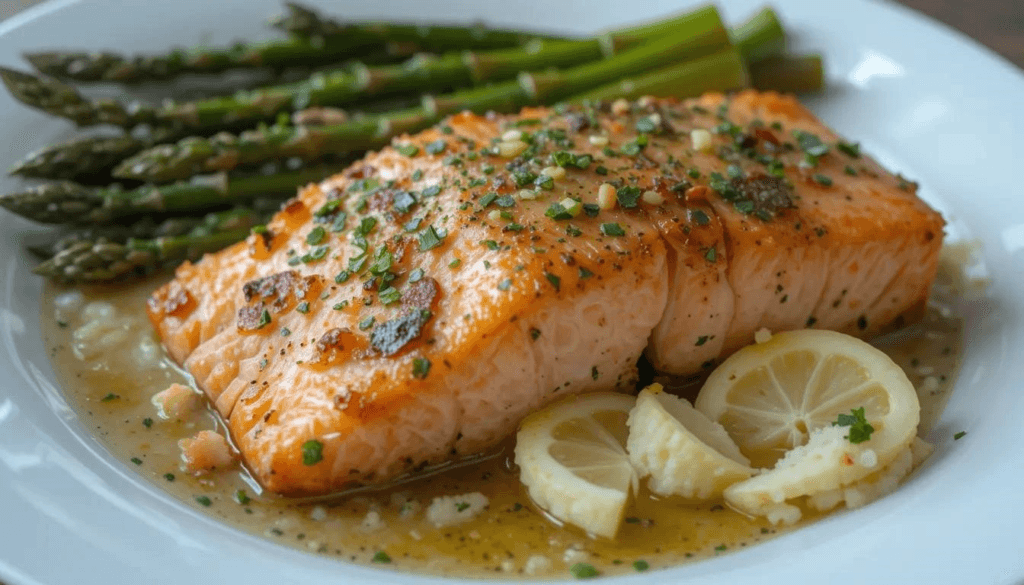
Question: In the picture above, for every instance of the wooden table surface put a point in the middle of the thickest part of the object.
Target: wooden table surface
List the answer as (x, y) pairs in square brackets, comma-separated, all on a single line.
[(999, 24)]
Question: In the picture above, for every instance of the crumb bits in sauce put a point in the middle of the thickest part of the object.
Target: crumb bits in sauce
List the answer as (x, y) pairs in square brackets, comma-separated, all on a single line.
[(473, 520)]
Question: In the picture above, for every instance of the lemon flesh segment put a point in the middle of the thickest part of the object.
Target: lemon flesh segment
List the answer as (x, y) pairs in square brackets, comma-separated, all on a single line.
[(572, 459), (770, 396), (684, 453)]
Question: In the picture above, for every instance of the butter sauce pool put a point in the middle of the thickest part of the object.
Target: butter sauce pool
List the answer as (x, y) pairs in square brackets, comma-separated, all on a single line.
[(110, 365)]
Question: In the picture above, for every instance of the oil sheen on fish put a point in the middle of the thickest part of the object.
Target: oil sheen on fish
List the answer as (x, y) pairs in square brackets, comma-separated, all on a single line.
[(416, 307)]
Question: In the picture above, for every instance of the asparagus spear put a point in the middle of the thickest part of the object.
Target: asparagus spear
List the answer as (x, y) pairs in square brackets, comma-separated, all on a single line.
[(722, 71), (302, 21), (60, 99), (66, 202), (225, 151), (760, 36), (81, 159), (147, 228), (343, 86), (104, 260), (794, 74), (316, 42)]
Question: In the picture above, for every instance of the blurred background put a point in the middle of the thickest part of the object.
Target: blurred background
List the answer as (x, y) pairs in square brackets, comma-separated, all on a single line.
[(998, 24)]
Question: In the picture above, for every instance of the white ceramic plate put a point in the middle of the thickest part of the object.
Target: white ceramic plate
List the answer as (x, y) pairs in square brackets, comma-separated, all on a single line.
[(924, 99)]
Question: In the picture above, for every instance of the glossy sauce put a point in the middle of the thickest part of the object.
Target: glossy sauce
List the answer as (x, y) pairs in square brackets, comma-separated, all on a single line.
[(388, 527)]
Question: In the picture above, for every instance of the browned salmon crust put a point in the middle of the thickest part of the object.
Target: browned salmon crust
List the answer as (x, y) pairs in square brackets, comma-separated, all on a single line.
[(416, 307)]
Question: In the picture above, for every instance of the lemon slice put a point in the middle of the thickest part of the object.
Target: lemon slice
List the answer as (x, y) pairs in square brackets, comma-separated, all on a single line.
[(771, 395), (875, 485), (684, 453), (572, 459)]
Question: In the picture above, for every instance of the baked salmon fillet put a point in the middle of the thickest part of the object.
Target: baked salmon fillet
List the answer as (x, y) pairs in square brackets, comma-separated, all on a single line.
[(416, 307)]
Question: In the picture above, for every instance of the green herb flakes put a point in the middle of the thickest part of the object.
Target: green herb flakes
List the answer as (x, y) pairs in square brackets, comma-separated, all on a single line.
[(850, 149), (612, 229), (147, 422), (242, 498), (408, 149), (628, 196), (389, 295), (959, 435), (860, 430), (505, 284), (430, 238), (303, 307), (136, 460), (316, 235), (554, 280), (169, 476), (367, 323), (420, 368), (711, 255), (381, 557), (584, 571), (312, 452), (641, 565), (204, 501), (823, 180)]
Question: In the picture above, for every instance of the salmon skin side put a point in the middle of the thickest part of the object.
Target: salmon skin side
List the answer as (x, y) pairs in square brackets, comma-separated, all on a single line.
[(414, 308)]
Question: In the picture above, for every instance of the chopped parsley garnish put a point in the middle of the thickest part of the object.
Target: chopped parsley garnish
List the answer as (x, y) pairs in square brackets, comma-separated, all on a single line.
[(389, 295), (633, 147), (420, 368), (505, 284), (242, 498), (591, 209), (112, 396), (721, 548), (461, 506), (849, 149), (408, 149), (711, 255), (430, 238), (554, 280), (455, 263), (136, 461), (316, 235), (612, 229), (367, 323), (203, 500), (404, 202), (312, 452), (850, 171), (641, 565), (303, 307), (381, 557), (169, 476), (860, 430), (564, 158), (558, 212), (959, 435), (488, 199), (513, 227), (699, 217), (505, 201), (702, 340), (147, 422), (264, 319), (628, 196), (584, 571), (436, 147), (523, 178), (646, 125), (432, 191), (823, 180), (584, 273), (315, 254), (491, 244), (534, 333), (416, 274), (810, 143), (342, 276)]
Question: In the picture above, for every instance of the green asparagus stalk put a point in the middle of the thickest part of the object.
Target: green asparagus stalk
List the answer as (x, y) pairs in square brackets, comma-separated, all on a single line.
[(66, 202), (722, 71), (760, 36), (315, 42), (62, 100), (82, 159), (147, 228), (226, 151), (343, 86), (103, 260), (792, 74), (302, 21)]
